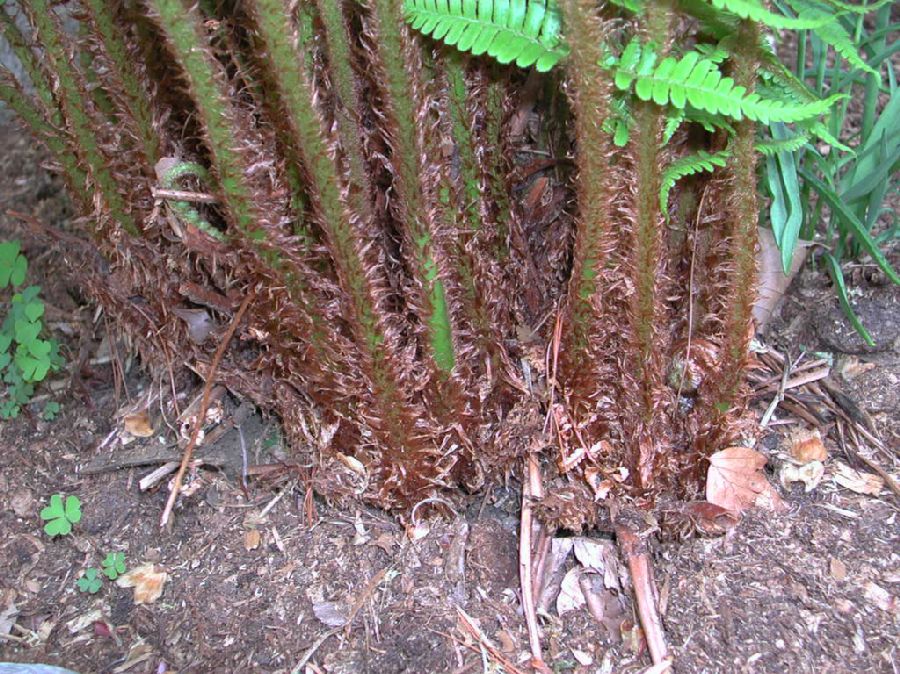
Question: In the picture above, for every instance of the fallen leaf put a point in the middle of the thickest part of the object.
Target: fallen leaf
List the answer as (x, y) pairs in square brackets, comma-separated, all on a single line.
[(809, 474), (138, 424), (554, 571), (22, 502), (570, 595), (735, 481), (415, 532), (352, 463), (8, 619), (881, 598), (583, 657), (85, 620), (329, 613), (772, 282), (710, 519), (807, 446), (199, 323), (838, 569), (147, 581), (852, 367), (861, 483), (506, 641), (601, 556), (251, 539)]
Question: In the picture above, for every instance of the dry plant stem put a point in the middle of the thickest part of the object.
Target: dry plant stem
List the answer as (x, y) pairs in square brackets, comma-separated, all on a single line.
[(201, 413), (641, 576), (531, 488), (184, 195)]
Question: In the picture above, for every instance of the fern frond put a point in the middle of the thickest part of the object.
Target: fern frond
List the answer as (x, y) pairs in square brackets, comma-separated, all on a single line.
[(695, 80), (771, 147), (858, 9), (756, 11), (524, 32), (688, 165), (832, 33)]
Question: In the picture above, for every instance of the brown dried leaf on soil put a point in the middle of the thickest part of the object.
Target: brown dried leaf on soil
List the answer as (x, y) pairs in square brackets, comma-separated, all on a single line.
[(139, 424), (147, 582), (807, 446), (854, 480), (735, 481)]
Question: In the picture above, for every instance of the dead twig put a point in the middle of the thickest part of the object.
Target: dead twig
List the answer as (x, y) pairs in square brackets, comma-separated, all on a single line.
[(469, 625), (531, 489), (184, 195), (201, 415), (888, 480), (642, 579)]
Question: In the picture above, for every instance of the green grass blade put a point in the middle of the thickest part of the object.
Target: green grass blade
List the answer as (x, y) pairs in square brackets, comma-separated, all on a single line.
[(837, 276), (840, 210)]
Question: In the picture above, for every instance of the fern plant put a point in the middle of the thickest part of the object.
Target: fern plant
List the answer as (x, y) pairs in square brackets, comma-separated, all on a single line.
[(360, 176)]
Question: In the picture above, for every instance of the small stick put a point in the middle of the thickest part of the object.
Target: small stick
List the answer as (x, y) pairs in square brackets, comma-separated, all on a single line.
[(201, 413), (641, 577), (531, 487), (183, 195)]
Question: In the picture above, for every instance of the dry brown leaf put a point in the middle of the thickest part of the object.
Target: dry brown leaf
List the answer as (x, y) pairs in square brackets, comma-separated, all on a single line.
[(838, 569), (711, 519), (735, 481), (772, 281), (852, 367), (138, 424), (147, 581), (881, 598), (861, 483), (807, 446), (252, 539)]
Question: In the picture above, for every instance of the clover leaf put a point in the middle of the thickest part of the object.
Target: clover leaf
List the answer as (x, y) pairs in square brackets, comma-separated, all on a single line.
[(61, 516), (51, 409), (114, 565), (90, 582), (13, 266)]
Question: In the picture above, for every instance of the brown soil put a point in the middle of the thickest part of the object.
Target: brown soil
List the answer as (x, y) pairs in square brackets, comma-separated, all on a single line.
[(811, 590)]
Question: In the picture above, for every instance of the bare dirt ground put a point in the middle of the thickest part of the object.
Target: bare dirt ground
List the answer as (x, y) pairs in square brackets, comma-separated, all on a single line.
[(259, 580)]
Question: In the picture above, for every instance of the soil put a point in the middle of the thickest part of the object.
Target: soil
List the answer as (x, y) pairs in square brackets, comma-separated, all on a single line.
[(259, 580)]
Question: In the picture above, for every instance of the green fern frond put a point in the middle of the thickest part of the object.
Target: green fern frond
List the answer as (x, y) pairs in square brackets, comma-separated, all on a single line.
[(832, 33), (756, 11), (698, 81), (858, 9), (674, 119), (688, 165), (771, 147), (524, 32)]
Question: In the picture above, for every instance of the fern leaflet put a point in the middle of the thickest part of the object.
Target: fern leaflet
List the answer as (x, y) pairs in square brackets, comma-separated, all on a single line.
[(698, 81), (771, 146), (688, 165), (832, 33), (524, 32), (754, 10)]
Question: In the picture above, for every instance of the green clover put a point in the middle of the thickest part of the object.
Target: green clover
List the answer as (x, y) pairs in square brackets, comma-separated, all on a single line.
[(51, 409), (13, 266), (90, 582), (114, 565), (59, 517)]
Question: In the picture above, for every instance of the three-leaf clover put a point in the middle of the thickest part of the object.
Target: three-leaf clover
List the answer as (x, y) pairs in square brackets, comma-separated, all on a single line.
[(90, 581), (51, 409), (12, 265), (114, 565), (60, 517)]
